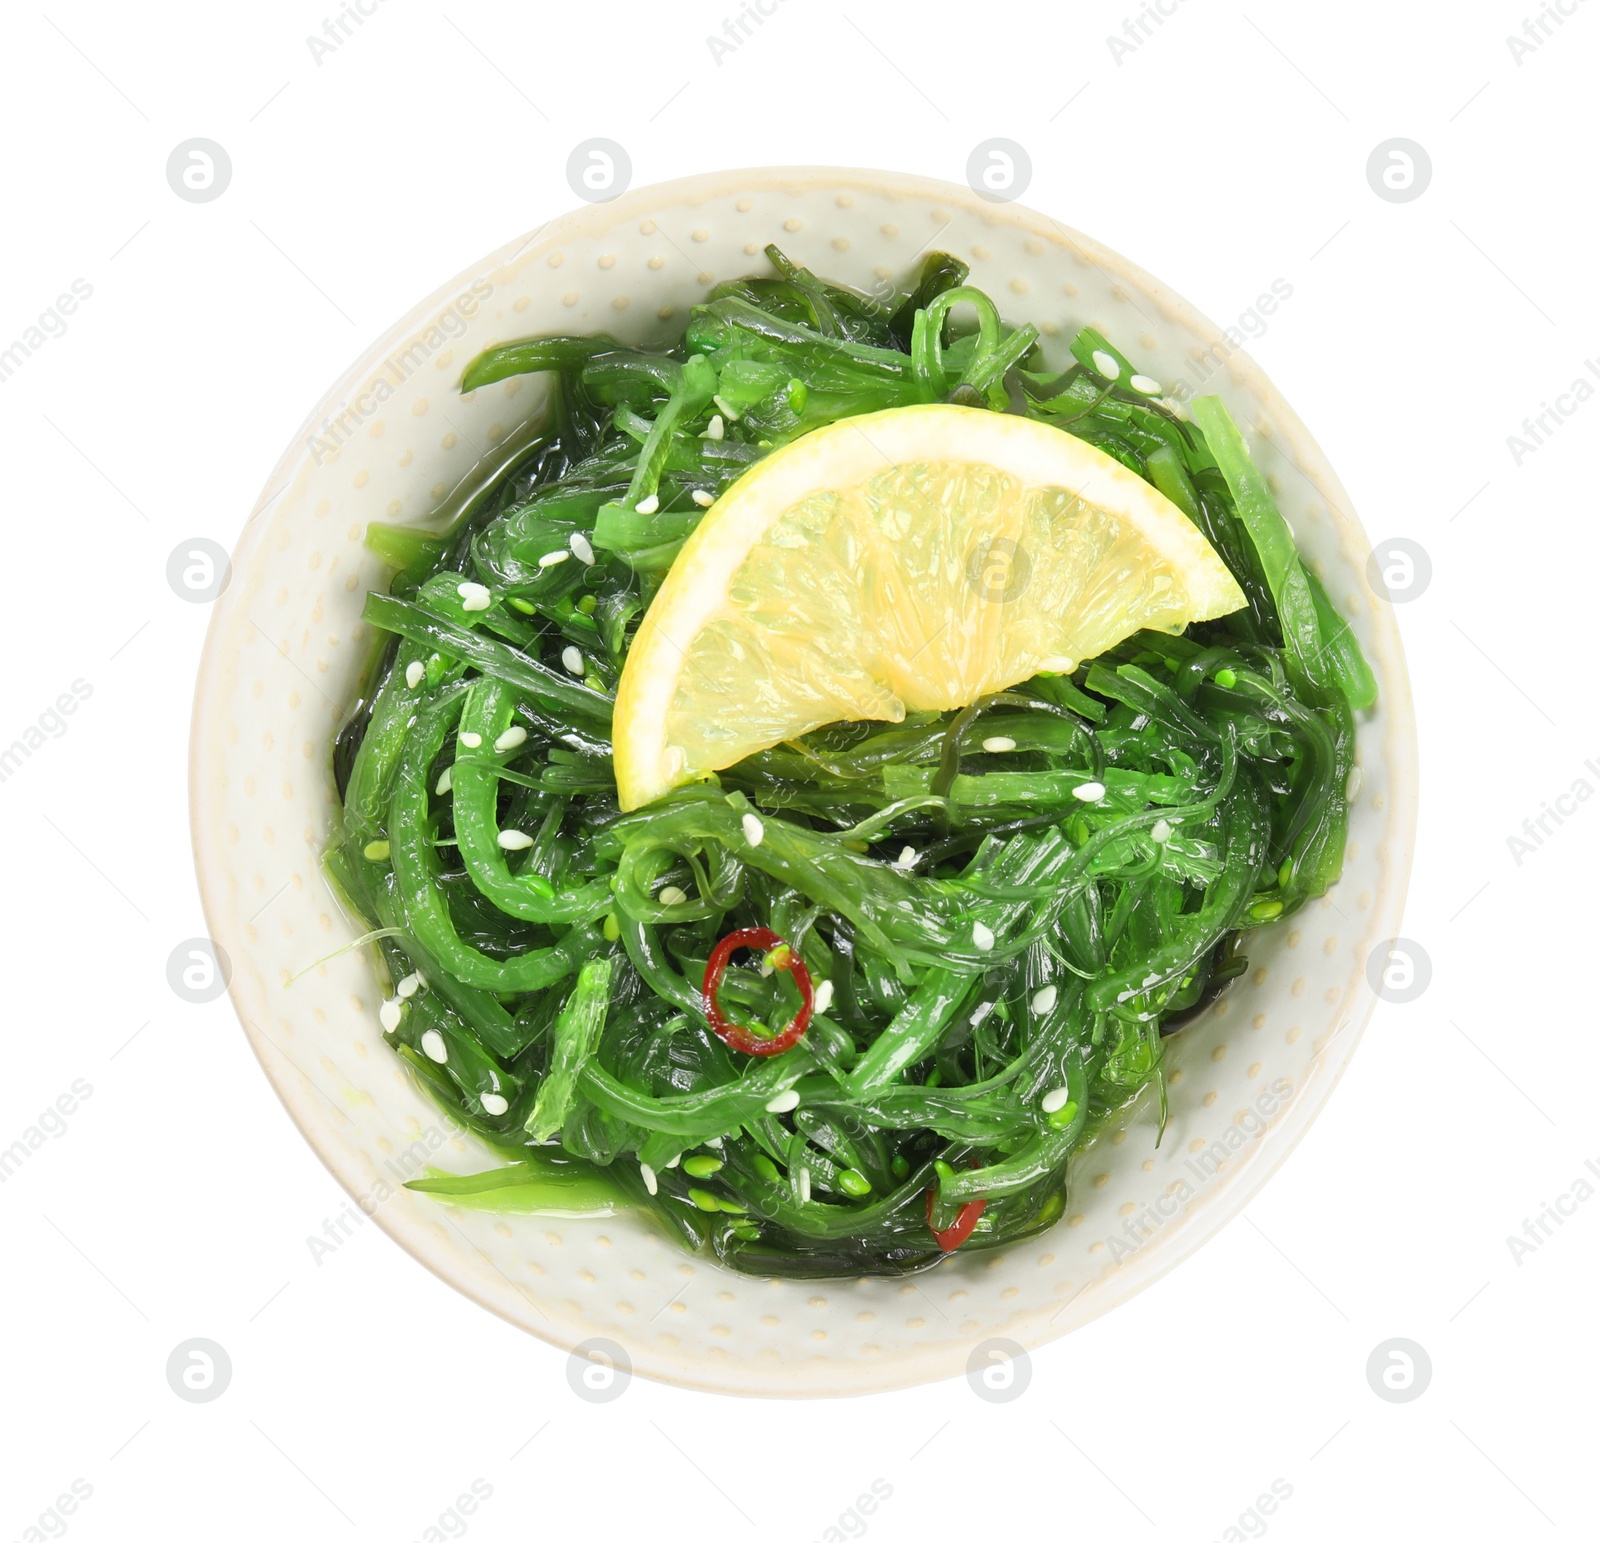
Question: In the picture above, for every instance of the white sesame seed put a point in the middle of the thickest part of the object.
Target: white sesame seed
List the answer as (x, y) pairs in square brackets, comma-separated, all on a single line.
[(514, 840), (1055, 1099), (703, 498), (1145, 384), (998, 744), (714, 1142), (1161, 833), (513, 737), (782, 1103), (754, 830), (572, 658), (442, 786), (469, 739), (729, 412), (823, 999), (671, 895), (410, 986), (1352, 784), (647, 505), (580, 547), (389, 1016), (550, 559), (906, 859), (648, 1174), (1090, 792), (1105, 364), (714, 428), (982, 938), (805, 1186), (433, 1047), (1044, 999), (493, 1103), (415, 673), (474, 597), (678, 1158)]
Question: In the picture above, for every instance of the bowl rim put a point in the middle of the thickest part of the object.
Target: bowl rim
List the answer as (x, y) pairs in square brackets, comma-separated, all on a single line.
[(1398, 738)]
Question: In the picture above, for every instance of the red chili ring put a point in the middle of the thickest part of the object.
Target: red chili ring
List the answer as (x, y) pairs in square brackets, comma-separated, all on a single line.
[(735, 1035), (960, 1229)]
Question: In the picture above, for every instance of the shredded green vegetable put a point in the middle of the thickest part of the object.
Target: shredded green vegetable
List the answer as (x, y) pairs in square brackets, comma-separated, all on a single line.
[(999, 943)]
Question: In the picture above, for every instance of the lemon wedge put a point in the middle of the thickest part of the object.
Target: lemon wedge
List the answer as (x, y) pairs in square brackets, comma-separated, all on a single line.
[(913, 559)]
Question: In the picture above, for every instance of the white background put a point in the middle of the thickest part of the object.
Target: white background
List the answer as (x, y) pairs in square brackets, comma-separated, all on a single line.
[(1226, 150)]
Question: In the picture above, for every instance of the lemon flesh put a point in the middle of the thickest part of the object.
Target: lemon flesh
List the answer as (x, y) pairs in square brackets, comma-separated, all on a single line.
[(913, 559)]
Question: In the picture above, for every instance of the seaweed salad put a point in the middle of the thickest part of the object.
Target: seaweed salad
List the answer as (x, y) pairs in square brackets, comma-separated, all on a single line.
[(850, 1003)]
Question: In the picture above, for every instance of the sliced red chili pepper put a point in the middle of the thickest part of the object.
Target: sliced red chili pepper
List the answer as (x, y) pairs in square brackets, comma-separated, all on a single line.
[(960, 1229), (735, 1035)]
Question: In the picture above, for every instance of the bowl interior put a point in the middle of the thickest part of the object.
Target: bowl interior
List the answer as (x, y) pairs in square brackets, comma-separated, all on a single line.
[(282, 663)]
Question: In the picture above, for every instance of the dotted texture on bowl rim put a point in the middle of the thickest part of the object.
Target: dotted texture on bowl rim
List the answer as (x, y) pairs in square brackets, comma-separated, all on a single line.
[(287, 647)]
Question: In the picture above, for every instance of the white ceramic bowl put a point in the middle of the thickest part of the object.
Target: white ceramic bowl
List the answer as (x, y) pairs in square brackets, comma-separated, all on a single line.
[(281, 665)]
